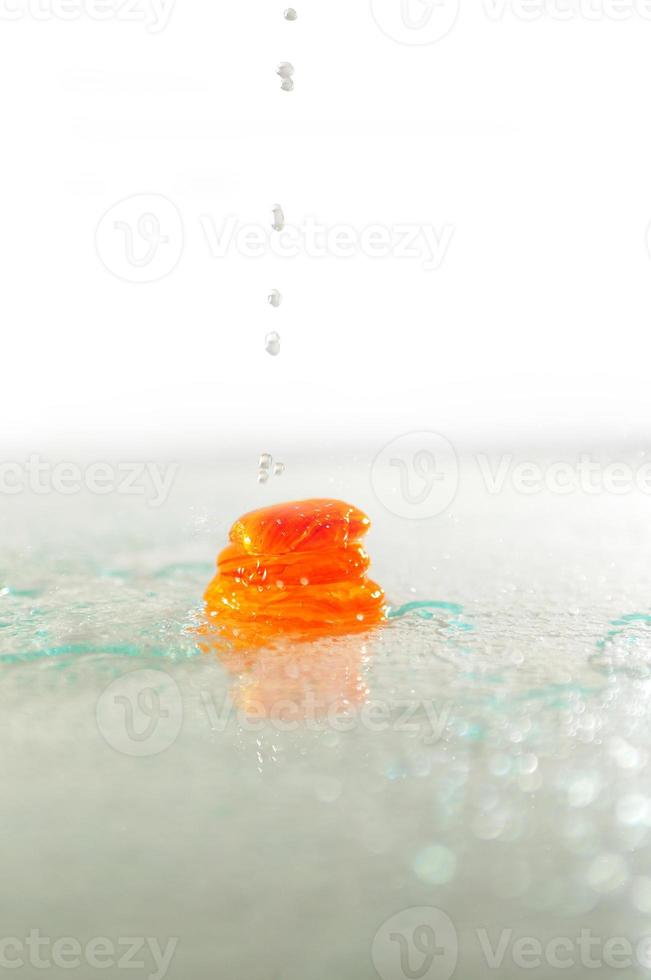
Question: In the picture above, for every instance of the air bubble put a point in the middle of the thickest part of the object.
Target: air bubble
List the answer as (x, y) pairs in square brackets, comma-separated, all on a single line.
[(279, 469), (290, 14), (266, 459), (272, 344)]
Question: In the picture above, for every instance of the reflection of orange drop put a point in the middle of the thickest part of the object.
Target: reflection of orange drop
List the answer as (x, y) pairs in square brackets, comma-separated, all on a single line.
[(299, 683), (294, 570)]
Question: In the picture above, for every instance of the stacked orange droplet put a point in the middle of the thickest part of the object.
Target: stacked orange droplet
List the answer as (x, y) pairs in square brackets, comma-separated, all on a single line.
[(294, 570)]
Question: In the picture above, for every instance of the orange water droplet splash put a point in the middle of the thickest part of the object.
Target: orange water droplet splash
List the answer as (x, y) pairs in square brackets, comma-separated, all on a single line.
[(294, 571)]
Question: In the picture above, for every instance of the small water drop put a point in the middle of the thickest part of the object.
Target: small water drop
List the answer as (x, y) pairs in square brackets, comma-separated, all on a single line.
[(274, 298), (290, 14), (285, 71), (266, 468), (272, 344), (278, 222)]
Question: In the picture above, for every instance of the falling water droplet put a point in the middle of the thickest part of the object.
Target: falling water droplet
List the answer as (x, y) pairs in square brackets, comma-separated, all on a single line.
[(275, 298), (285, 71), (290, 14), (278, 222), (272, 343), (267, 468)]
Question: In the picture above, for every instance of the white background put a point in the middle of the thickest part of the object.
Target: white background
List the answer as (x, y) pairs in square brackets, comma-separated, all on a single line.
[(530, 137)]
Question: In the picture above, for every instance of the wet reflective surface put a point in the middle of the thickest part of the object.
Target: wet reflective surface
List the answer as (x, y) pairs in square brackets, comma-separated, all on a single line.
[(483, 760)]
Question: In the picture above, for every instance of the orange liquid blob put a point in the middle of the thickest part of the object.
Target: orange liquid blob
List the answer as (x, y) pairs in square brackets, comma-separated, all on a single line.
[(295, 570)]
